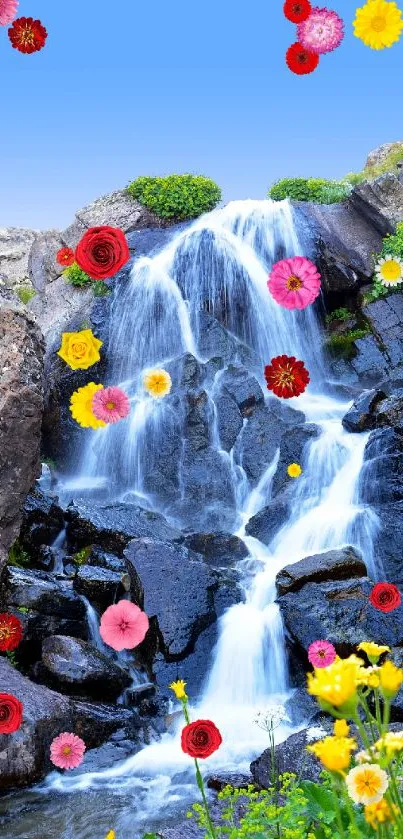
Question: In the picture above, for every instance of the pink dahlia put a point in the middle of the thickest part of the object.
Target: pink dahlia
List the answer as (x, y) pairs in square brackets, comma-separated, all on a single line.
[(123, 626), (8, 11), (321, 654), (110, 404), (294, 283), (67, 751), (322, 31)]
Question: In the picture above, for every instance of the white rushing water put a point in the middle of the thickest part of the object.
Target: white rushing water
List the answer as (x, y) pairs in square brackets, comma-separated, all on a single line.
[(224, 259)]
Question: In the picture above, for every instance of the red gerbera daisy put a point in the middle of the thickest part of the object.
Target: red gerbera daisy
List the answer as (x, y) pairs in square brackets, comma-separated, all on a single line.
[(10, 632), (65, 256), (27, 35), (301, 61), (286, 376), (297, 10)]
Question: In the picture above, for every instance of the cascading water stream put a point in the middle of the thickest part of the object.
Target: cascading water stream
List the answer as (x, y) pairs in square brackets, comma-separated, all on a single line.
[(221, 264)]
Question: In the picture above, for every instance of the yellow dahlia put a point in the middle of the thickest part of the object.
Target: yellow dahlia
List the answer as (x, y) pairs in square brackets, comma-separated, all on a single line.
[(179, 689), (380, 813), (373, 651), (389, 270), (391, 678), (336, 684), (367, 784), (81, 406), (80, 350), (334, 752), (294, 470), (378, 24), (157, 382)]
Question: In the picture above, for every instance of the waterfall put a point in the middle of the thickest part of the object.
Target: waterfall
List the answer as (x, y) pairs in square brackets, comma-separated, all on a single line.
[(219, 265)]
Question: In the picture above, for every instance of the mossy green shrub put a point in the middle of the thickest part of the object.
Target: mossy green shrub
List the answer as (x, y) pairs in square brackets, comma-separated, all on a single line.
[(176, 197), (318, 190), (343, 345), (78, 278), (339, 314), (18, 557), (81, 557), (25, 293)]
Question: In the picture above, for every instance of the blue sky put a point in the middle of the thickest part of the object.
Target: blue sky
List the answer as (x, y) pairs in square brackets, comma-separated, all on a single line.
[(130, 88)]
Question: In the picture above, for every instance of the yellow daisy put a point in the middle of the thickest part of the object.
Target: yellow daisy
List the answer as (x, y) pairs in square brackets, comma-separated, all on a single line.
[(367, 784), (294, 470), (378, 24), (179, 689), (157, 382), (389, 270), (81, 406)]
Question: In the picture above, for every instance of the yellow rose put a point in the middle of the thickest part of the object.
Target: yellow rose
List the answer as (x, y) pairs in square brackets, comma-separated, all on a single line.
[(80, 350)]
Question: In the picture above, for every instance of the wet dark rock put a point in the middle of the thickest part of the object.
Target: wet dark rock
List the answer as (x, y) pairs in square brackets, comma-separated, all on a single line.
[(215, 340), (388, 541), (42, 522), (112, 526), (100, 586), (370, 363), (294, 447), (229, 420), (219, 550), (291, 755), (380, 202), (97, 722), (339, 611), (77, 668), (339, 564), (103, 559), (48, 558), (382, 475), (234, 779), (361, 417), (265, 524), (207, 498), (260, 438), (243, 388)]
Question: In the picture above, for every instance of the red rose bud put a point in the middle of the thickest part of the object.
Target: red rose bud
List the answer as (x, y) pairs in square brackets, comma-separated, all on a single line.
[(201, 739), (385, 597), (10, 713), (102, 252)]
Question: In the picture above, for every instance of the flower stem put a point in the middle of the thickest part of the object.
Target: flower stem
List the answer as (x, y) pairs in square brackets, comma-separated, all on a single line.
[(200, 784)]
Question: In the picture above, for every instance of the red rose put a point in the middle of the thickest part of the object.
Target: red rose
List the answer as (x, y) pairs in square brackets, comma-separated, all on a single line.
[(297, 10), (10, 632), (386, 597), (102, 252), (65, 256), (10, 713), (201, 738), (27, 35)]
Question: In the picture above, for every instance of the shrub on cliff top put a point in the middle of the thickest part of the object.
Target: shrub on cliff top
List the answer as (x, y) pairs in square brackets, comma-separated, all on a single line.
[(176, 196), (318, 190)]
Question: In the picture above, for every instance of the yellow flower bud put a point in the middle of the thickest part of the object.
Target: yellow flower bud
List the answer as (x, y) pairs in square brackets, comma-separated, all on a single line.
[(391, 678), (179, 689)]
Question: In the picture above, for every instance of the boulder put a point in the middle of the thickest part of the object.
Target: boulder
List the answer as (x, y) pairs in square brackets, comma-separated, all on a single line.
[(207, 499), (220, 550), (21, 408), (382, 477), (340, 564), (380, 202), (385, 317), (291, 755), (268, 521), (257, 445), (42, 264), (294, 447), (388, 540), (112, 526), (117, 209), (361, 416), (101, 586), (15, 245), (379, 155), (103, 559), (229, 420), (76, 667), (369, 362), (243, 388), (42, 521)]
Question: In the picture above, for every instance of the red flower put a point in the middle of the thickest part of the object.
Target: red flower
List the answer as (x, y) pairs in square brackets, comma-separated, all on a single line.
[(301, 61), (386, 597), (27, 35), (10, 713), (201, 738), (286, 376), (297, 10), (65, 256), (10, 632), (102, 252)]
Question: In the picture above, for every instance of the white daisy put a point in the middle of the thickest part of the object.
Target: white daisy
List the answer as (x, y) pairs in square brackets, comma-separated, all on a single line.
[(389, 270)]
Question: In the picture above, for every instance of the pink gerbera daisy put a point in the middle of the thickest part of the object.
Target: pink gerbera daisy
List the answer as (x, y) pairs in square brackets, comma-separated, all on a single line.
[(8, 11), (67, 751), (321, 654), (110, 404), (123, 626), (322, 31), (294, 283)]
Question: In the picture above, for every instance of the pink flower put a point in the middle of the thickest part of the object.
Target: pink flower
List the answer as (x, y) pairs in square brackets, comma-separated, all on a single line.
[(123, 626), (67, 751), (322, 31), (110, 404), (294, 283), (8, 11), (321, 654)]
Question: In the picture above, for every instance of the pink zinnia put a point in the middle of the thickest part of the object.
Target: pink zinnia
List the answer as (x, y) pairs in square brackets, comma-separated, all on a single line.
[(322, 31), (123, 626), (67, 751), (321, 654), (294, 283), (110, 404), (8, 11)]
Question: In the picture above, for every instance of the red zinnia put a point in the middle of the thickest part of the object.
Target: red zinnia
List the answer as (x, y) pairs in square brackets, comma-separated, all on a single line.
[(27, 35), (200, 738), (297, 10), (102, 252), (65, 256), (301, 61), (286, 376), (386, 597), (10, 632), (10, 713)]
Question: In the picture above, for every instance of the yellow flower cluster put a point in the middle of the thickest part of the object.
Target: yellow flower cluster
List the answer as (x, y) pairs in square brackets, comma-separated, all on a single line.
[(380, 813)]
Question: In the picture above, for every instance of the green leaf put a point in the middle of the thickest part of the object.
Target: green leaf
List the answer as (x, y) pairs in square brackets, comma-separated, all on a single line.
[(320, 801)]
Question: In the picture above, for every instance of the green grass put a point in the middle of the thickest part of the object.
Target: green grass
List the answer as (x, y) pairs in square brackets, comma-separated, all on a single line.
[(318, 190), (342, 345), (339, 314), (25, 293), (18, 557)]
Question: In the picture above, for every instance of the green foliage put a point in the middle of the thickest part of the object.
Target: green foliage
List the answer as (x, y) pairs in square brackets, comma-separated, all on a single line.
[(342, 345), (11, 657), (339, 314), (18, 557), (176, 196), (100, 288), (25, 293), (318, 190), (392, 245), (23, 609), (75, 276), (369, 173), (81, 557)]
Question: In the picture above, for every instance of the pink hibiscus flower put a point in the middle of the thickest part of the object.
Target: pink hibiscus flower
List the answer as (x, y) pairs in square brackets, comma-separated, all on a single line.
[(322, 31), (294, 283), (110, 404), (123, 626), (67, 751), (8, 11), (321, 654)]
